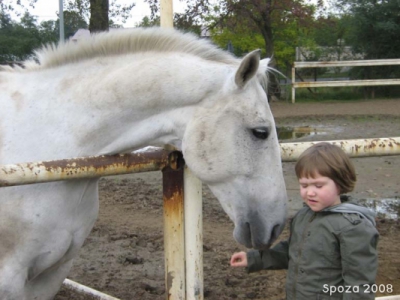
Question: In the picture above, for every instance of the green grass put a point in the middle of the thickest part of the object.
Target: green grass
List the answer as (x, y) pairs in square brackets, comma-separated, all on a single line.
[(329, 94)]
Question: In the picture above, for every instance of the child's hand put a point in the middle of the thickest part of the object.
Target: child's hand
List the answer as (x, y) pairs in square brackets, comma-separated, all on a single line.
[(239, 259)]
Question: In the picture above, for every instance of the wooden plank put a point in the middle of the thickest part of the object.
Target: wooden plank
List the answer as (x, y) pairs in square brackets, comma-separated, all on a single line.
[(346, 63), (371, 82)]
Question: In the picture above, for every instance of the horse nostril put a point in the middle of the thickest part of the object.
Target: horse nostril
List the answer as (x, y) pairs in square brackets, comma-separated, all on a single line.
[(276, 231), (248, 229)]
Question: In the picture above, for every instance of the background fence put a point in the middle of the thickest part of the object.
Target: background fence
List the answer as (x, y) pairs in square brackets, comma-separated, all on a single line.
[(348, 63)]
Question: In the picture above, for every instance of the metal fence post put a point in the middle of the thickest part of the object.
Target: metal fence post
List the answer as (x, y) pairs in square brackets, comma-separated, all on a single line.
[(174, 237), (193, 236)]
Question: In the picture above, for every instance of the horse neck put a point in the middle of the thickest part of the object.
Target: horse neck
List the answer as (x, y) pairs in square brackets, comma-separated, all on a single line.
[(151, 107), (158, 129)]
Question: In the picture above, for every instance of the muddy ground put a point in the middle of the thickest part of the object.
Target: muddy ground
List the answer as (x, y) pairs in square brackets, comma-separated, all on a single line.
[(123, 256)]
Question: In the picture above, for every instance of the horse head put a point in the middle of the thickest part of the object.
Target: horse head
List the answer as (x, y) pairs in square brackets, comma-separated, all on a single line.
[(231, 145)]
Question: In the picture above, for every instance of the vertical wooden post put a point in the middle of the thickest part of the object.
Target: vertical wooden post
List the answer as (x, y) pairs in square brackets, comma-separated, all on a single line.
[(293, 81)]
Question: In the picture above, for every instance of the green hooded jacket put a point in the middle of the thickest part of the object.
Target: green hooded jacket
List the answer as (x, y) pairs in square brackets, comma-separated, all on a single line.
[(330, 254)]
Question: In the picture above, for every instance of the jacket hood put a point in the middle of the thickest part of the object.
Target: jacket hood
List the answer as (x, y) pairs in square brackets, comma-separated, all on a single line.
[(353, 208)]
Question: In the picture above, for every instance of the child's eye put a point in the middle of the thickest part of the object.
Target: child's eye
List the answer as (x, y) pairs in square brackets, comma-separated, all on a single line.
[(318, 186)]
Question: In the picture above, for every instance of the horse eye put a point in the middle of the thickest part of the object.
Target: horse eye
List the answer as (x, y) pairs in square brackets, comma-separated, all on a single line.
[(261, 133)]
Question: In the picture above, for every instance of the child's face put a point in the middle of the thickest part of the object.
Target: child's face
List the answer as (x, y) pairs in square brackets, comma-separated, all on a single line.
[(319, 192)]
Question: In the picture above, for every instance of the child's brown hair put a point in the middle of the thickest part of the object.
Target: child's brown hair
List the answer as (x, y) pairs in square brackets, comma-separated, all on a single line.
[(330, 161)]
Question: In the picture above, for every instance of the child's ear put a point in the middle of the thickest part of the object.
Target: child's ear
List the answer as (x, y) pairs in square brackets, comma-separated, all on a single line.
[(338, 189)]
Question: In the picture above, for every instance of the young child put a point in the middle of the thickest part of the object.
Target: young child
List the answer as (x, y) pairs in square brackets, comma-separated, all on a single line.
[(331, 251)]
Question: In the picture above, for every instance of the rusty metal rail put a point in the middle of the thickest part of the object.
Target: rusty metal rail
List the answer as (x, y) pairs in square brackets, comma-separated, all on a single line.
[(181, 195), (86, 167), (97, 166), (353, 148)]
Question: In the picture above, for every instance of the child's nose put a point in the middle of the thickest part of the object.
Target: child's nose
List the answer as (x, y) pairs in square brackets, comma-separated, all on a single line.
[(310, 191)]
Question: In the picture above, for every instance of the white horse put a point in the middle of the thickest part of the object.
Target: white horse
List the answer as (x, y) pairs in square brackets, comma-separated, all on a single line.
[(117, 92)]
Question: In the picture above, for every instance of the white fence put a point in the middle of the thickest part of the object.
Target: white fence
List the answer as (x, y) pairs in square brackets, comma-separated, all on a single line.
[(348, 63)]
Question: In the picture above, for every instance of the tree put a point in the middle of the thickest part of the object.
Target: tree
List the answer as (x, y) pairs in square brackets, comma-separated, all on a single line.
[(375, 27), (18, 40), (72, 22), (257, 23), (257, 15), (147, 22), (102, 13), (98, 15), (374, 34), (49, 31)]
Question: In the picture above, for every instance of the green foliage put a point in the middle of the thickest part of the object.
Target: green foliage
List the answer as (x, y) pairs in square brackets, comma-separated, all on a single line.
[(286, 38), (373, 32), (241, 40), (147, 22), (374, 28), (329, 94), (342, 94), (72, 22), (186, 23), (18, 40), (118, 13), (278, 30)]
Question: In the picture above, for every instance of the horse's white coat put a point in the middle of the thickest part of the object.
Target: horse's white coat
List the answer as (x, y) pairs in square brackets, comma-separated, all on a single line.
[(124, 91)]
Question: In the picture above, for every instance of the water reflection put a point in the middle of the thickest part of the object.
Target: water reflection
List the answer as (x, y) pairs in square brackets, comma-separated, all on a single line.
[(288, 133)]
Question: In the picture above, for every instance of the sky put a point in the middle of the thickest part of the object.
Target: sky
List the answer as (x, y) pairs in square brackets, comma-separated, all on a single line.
[(48, 9)]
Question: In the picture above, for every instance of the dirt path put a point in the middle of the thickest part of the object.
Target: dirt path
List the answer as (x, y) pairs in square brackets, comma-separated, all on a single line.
[(372, 107), (123, 255)]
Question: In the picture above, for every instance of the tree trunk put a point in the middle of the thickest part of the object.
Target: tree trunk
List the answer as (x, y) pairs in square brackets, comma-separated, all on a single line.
[(98, 15), (265, 26), (274, 89)]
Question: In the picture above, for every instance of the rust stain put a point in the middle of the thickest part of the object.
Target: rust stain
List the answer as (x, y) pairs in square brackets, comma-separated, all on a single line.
[(4, 183), (170, 279), (172, 184), (90, 166), (106, 162)]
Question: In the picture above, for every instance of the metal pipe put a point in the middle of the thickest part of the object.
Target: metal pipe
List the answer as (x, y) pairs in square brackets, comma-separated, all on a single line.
[(174, 235), (84, 167), (353, 148), (166, 14), (61, 21), (83, 289), (97, 166), (193, 214)]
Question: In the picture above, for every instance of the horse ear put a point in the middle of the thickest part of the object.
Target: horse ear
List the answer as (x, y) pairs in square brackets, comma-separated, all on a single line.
[(248, 68)]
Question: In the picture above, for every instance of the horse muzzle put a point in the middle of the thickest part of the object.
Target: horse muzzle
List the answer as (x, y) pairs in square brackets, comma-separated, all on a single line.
[(257, 235)]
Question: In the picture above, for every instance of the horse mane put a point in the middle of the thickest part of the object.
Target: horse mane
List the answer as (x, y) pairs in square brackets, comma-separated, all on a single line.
[(125, 41)]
